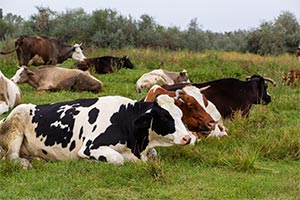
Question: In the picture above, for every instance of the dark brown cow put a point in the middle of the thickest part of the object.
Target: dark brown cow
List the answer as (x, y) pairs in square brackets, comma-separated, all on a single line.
[(52, 78), (104, 64), (38, 50), (231, 95)]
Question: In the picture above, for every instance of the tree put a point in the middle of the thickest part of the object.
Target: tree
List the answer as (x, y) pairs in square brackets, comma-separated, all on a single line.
[(289, 28)]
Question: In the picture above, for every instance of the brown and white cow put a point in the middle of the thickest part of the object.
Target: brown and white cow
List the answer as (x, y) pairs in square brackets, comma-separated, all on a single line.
[(39, 50), (10, 94), (161, 77), (195, 108), (292, 77), (53, 78)]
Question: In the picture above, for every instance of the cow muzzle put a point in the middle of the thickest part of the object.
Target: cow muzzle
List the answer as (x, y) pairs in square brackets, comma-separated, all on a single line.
[(186, 140)]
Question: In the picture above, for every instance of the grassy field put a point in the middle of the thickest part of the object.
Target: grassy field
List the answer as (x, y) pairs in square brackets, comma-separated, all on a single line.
[(259, 160)]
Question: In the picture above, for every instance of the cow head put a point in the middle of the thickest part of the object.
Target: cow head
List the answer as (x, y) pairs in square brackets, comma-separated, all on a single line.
[(125, 62), (166, 125), (262, 94), (82, 65), (22, 75), (183, 77), (197, 104), (194, 115), (77, 52)]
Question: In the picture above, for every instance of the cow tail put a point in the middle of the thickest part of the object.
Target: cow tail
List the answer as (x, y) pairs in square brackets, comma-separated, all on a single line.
[(17, 45), (8, 52)]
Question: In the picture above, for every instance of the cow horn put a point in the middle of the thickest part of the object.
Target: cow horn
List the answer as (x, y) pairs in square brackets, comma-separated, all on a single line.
[(270, 80), (204, 88), (179, 94)]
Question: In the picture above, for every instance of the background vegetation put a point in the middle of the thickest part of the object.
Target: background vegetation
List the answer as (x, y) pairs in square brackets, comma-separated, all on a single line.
[(107, 28), (259, 159)]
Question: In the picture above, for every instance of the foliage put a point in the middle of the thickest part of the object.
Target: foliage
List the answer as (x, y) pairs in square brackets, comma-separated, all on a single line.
[(107, 28)]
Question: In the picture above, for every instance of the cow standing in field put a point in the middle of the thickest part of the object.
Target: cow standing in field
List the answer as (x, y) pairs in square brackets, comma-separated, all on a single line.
[(104, 64), (53, 78), (111, 129), (161, 77), (231, 95), (39, 50), (10, 94)]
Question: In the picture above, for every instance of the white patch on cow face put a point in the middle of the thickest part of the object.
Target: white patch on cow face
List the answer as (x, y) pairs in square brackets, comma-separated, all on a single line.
[(210, 109), (17, 77), (181, 134), (78, 54), (3, 107)]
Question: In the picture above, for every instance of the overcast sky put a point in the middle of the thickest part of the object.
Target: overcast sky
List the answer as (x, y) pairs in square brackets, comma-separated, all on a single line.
[(214, 15)]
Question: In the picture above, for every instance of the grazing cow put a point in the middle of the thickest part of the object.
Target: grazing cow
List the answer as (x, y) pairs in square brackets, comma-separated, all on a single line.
[(53, 78), (10, 94), (292, 78), (111, 129), (230, 95), (38, 50), (196, 109), (105, 64), (161, 77)]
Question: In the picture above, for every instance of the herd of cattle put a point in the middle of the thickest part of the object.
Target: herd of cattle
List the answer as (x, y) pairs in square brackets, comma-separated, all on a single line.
[(112, 128)]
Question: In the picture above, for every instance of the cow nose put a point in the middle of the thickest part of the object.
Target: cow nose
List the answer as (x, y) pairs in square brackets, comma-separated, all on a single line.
[(211, 125), (186, 139)]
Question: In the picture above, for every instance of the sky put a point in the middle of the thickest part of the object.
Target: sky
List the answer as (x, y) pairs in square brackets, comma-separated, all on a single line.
[(213, 15)]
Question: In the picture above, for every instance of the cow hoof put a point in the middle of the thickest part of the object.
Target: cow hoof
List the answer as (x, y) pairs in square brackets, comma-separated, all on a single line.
[(25, 163), (152, 154)]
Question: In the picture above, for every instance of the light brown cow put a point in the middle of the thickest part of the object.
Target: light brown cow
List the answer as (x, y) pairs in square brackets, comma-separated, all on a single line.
[(53, 78), (161, 77), (10, 94)]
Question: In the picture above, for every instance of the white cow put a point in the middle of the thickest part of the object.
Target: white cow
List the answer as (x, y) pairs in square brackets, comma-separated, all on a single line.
[(161, 77), (10, 94)]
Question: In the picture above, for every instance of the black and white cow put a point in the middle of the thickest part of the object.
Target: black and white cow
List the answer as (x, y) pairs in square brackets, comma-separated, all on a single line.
[(111, 129)]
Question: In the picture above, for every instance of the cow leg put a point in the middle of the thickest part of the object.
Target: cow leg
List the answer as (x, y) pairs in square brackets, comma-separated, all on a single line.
[(103, 153), (11, 138)]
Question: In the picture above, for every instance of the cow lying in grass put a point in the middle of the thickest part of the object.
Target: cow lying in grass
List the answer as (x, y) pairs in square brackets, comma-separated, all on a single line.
[(205, 111), (10, 94), (160, 77), (104, 64), (53, 78), (110, 129)]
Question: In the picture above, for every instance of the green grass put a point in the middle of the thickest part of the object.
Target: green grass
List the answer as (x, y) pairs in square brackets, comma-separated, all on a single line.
[(259, 159)]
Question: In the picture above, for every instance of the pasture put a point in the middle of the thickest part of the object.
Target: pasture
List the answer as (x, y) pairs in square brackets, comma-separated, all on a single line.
[(259, 160)]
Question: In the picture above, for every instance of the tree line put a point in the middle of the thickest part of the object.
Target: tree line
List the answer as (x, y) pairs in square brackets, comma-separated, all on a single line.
[(107, 28)]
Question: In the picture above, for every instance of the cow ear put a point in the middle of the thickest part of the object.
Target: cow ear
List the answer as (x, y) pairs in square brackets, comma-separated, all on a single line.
[(143, 121), (29, 71)]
